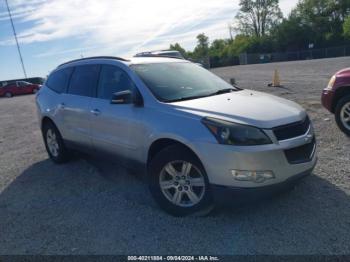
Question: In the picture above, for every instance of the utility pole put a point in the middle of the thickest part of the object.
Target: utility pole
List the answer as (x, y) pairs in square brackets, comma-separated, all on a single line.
[(15, 35)]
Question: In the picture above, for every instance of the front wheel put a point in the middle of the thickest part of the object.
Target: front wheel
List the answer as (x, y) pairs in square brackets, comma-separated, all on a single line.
[(342, 115), (35, 90), (178, 182), (54, 144), (8, 94)]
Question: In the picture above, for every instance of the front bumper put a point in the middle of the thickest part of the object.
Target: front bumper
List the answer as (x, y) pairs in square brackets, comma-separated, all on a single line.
[(327, 99), (238, 195), (280, 157)]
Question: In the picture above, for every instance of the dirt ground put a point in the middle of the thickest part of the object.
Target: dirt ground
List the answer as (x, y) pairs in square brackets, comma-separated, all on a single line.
[(90, 206)]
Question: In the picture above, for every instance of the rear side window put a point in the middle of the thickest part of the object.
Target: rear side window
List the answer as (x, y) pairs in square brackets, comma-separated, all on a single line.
[(84, 80), (58, 81), (112, 80)]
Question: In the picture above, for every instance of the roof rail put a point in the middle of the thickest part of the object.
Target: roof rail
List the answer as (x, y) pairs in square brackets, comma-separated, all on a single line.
[(95, 57), (155, 51), (144, 54)]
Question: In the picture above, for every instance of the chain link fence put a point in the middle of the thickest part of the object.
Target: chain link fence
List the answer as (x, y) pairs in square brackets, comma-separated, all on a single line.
[(330, 52)]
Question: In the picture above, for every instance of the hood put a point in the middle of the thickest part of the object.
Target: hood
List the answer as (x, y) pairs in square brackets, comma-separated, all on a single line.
[(344, 72), (245, 107)]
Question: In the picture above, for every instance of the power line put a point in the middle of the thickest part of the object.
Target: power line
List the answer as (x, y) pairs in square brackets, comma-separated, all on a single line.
[(14, 33)]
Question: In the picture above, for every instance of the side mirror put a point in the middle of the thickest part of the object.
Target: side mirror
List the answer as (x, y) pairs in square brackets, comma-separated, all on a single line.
[(127, 97), (122, 97)]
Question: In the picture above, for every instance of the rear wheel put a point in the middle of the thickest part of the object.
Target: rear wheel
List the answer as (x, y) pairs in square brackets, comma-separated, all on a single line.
[(342, 115), (178, 182), (8, 94), (54, 144)]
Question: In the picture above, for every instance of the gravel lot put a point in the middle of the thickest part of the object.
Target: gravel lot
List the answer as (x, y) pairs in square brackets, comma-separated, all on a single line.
[(90, 206)]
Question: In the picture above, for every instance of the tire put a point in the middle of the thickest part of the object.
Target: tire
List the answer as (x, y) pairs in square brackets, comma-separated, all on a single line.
[(342, 112), (35, 90), (167, 166), (8, 94), (54, 144)]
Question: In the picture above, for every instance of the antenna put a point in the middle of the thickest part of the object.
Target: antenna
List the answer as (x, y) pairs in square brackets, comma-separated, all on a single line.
[(15, 35)]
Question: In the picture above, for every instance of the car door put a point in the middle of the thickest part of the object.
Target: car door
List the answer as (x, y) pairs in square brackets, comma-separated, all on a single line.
[(19, 88), (27, 87), (58, 83), (16, 88), (75, 105), (23, 87), (115, 128)]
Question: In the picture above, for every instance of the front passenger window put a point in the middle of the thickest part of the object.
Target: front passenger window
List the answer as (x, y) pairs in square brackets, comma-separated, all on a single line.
[(112, 80)]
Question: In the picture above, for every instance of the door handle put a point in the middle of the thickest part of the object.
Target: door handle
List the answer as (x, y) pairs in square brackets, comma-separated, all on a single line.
[(95, 112), (61, 106)]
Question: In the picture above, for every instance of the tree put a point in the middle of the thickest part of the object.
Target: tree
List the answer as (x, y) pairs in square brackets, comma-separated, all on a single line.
[(258, 17), (346, 28), (218, 52), (262, 29), (240, 44), (292, 35), (323, 20), (202, 48), (217, 47), (179, 48)]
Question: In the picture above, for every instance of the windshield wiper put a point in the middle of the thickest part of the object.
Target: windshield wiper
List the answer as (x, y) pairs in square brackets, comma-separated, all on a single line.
[(223, 91), (219, 92), (184, 98)]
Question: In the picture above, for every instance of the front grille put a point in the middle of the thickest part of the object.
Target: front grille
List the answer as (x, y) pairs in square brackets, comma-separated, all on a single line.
[(292, 130), (301, 154)]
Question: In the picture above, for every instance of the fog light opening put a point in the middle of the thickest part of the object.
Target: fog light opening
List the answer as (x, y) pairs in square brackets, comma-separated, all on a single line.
[(252, 176)]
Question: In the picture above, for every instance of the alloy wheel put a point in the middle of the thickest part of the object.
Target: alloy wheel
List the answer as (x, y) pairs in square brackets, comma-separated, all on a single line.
[(182, 183), (345, 115), (52, 143)]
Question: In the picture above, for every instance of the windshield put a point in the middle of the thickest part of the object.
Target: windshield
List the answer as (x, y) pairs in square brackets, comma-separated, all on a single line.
[(171, 82), (24, 83)]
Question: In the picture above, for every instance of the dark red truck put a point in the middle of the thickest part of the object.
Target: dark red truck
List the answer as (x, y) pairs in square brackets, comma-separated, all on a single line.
[(336, 98), (18, 88)]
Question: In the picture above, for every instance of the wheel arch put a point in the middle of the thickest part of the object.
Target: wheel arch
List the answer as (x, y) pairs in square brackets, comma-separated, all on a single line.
[(339, 94), (161, 143), (45, 120)]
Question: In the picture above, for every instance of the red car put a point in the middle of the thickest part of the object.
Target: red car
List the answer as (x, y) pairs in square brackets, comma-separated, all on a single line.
[(19, 88), (336, 98)]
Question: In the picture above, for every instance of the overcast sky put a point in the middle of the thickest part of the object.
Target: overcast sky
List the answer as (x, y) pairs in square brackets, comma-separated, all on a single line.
[(54, 31)]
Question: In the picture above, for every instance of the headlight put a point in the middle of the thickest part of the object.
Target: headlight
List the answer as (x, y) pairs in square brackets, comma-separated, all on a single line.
[(331, 83), (229, 133)]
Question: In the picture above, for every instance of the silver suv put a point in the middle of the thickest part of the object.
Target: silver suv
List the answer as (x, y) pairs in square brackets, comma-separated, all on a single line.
[(198, 138)]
